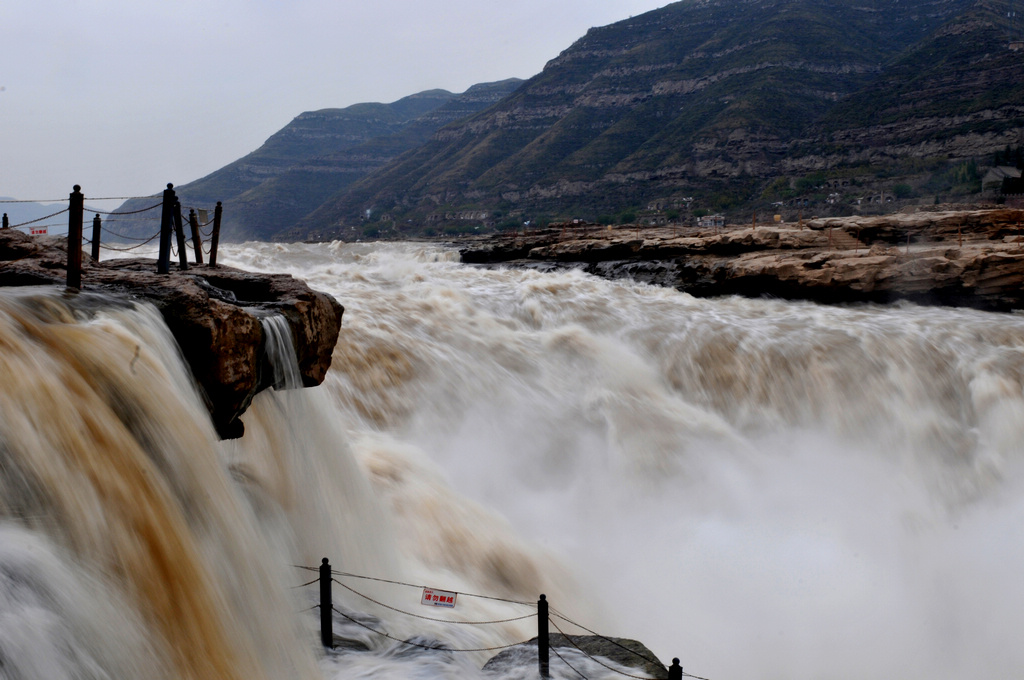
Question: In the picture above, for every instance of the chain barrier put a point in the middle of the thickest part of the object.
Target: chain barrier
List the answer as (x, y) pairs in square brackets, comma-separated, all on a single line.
[(416, 644), (126, 212), (430, 618), (130, 238), (40, 219), (600, 663), (556, 614), (316, 580), (606, 639), (419, 587), (40, 226), (554, 650), (128, 249), (90, 198), (122, 198)]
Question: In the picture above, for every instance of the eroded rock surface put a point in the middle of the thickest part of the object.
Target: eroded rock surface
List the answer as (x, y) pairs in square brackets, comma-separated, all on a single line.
[(213, 312), (971, 258)]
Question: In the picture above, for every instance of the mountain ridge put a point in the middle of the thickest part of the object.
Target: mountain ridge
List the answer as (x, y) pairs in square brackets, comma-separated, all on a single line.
[(701, 106), (317, 154), (690, 99)]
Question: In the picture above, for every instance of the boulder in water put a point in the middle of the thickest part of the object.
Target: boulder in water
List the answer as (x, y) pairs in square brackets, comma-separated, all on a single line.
[(620, 651)]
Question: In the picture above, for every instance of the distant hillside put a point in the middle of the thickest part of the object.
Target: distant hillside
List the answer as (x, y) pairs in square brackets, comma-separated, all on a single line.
[(736, 104), (318, 154)]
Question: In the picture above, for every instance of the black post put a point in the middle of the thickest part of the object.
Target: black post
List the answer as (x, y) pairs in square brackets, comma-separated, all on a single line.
[(76, 212), (543, 651), (163, 264), (97, 227), (326, 607), (197, 243), (216, 234), (675, 671), (179, 230), (7, 222)]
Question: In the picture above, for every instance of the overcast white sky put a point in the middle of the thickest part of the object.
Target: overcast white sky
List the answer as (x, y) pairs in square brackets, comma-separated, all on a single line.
[(123, 96)]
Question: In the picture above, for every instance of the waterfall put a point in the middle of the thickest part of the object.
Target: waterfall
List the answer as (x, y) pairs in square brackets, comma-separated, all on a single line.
[(134, 544), (128, 551), (761, 488)]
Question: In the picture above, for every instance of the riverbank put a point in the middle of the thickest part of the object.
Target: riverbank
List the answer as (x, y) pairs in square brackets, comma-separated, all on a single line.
[(963, 258)]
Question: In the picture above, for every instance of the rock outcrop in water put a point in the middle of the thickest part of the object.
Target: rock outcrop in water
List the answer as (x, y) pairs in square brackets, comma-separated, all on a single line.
[(628, 653), (969, 258), (213, 312)]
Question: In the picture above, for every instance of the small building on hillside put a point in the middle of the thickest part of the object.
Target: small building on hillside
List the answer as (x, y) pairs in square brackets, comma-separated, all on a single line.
[(993, 179), (711, 221)]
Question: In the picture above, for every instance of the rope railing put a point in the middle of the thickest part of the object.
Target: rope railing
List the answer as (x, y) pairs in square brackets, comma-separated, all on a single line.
[(132, 238), (40, 219), (544, 647), (170, 222), (126, 212), (430, 618), (597, 661), (91, 198), (573, 668), (421, 587), (420, 645), (596, 634), (126, 249)]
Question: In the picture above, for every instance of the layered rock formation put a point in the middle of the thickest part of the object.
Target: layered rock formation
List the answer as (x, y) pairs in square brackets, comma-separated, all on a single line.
[(269, 191), (972, 258), (213, 312), (725, 106)]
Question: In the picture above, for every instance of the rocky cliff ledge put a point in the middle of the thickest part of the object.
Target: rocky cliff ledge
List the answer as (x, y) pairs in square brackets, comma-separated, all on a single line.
[(970, 258), (213, 312)]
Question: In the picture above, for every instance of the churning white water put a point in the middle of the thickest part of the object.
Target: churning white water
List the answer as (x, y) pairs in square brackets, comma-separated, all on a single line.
[(764, 489)]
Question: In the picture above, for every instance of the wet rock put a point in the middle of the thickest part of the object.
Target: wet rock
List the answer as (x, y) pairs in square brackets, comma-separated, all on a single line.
[(621, 651), (972, 258), (213, 312)]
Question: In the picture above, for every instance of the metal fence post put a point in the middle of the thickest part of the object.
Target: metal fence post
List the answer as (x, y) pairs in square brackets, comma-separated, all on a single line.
[(197, 243), (97, 228), (179, 230), (675, 671), (326, 607), (6, 222), (76, 212), (163, 264), (543, 647), (216, 234)]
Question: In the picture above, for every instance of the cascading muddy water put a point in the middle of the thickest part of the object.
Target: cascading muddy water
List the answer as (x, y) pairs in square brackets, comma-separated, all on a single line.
[(126, 552), (134, 544), (763, 488)]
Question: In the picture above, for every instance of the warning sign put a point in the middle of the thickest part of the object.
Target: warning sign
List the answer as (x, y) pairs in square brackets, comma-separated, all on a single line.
[(438, 598), (37, 231)]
